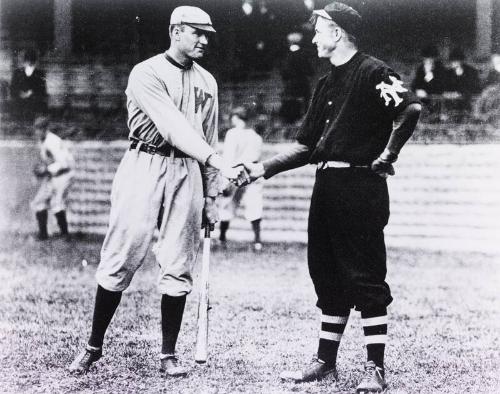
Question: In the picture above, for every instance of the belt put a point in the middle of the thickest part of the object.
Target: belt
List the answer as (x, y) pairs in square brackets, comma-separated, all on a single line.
[(166, 150), (338, 164)]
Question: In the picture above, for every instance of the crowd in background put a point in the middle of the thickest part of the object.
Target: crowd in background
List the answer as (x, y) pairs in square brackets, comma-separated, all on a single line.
[(452, 89)]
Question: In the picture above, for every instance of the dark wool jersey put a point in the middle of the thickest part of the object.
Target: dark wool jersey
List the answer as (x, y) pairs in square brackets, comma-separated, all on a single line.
[(352, 110)]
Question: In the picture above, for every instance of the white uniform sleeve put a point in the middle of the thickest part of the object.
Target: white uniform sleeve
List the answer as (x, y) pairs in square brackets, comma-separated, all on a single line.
[(63, 159), (229, 152), (211, 177), (259, 144), (151, 96)]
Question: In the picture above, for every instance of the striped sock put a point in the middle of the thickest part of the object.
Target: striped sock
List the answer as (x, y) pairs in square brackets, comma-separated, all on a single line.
[(332, 328), (375, 330)]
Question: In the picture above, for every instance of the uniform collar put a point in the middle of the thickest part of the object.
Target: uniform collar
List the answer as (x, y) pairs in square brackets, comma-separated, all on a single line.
[(348, 63), (178, 65)]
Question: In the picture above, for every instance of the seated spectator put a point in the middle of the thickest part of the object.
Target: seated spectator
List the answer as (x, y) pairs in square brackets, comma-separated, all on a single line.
[(493, 77), (487, 106), (430, 74), (28, 89), (462, 82)]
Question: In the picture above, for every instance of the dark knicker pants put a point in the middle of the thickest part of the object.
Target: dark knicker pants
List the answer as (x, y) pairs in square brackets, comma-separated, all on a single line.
[(346, 248)]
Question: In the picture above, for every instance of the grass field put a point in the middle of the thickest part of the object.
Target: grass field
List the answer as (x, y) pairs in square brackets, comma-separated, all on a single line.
[(444, 331)]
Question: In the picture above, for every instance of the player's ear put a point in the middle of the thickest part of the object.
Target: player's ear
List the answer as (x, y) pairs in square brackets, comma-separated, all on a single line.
[(174, 32), (338, 33)]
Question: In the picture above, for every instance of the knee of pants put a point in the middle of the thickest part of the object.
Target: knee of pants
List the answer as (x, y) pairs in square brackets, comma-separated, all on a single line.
[(175, 287), (334, 304), (58, 207), (367, 298), (114, 281), (37, 206)]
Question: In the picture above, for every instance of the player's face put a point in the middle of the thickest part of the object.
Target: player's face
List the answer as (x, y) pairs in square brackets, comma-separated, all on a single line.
[(193, 42), (40, 133), (236, 121), (325, 37)]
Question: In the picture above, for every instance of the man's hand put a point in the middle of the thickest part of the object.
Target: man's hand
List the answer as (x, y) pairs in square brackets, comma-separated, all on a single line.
[(210, 213), (40, 170), (382, 165), (26, 94), (255, 170), (243, 177), (231, 173)]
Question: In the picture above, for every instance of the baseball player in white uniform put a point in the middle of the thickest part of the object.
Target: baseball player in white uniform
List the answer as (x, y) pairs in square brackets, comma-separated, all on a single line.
[(56, 175), (242, 144), (169, 175)]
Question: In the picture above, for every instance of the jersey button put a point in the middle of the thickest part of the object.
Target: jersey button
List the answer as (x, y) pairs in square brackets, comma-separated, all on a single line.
[(330, 103), (327, 121)]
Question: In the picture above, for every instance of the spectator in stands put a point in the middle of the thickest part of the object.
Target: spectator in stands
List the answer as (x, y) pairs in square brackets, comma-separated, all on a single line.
[(241, 144), (28, 88), (462, 82), (429, 80), (487, 106), (493, 77), (430, 74), (56, 174), (295, 72)]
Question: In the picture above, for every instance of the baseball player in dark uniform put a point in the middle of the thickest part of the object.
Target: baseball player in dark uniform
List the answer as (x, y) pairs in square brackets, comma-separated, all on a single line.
[(167, 177), (360, 116)]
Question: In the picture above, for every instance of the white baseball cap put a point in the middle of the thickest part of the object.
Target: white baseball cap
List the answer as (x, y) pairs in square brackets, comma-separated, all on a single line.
[(192, 16)]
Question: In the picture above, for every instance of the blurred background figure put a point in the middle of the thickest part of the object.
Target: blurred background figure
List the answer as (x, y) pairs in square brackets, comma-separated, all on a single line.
[(430, 74), (295, 73), (462, 83), (254, 27), (55, 172), (429, 81), (487, 107), (28, 89), (493, 77), (241, 144)]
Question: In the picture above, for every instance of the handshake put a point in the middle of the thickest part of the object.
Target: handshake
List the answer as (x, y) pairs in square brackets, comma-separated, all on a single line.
[(244, 173)]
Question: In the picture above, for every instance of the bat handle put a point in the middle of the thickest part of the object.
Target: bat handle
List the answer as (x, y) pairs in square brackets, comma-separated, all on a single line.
[(207, 231)]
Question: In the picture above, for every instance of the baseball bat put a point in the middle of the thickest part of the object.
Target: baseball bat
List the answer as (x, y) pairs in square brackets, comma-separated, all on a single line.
[(201, 353)]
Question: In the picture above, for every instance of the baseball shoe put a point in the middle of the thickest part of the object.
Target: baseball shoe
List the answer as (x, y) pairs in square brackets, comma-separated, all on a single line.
[(372, 381), (316, 370), (63, 236), (218, 244), (81, 364), (41, 237), (257, 246), (170, 366)]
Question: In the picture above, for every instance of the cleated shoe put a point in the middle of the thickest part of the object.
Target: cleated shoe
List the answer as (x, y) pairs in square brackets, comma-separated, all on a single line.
[(81, 364), (169, 365), (317, 370), (372, 381)]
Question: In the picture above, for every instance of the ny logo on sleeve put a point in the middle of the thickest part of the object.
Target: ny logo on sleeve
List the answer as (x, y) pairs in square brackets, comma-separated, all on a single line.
[(201, 98), (389, 91)]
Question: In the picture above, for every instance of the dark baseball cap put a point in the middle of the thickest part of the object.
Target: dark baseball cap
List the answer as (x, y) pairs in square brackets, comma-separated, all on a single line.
[(343, 15), (240, 112)]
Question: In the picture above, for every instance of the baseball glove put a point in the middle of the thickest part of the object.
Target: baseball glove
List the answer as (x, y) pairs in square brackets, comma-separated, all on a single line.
[(40, 170)]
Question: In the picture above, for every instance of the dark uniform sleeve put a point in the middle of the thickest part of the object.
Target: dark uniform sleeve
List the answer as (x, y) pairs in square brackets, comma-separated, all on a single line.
[(307, 135), (391, 94)]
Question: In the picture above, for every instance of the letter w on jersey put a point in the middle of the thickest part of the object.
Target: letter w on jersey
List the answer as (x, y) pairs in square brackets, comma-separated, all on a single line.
[(201, 98), (389, 91)]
